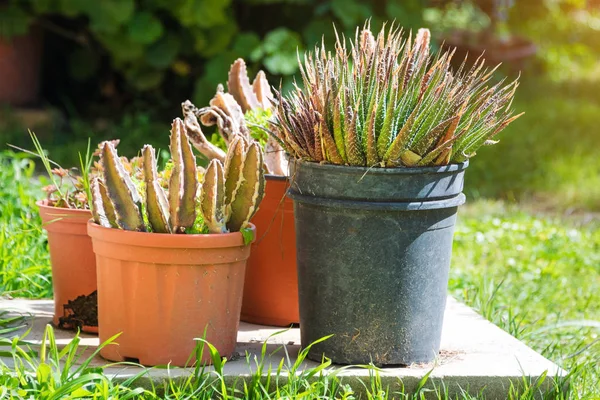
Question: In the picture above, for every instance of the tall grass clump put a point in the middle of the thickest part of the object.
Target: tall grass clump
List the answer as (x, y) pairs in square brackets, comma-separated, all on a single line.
[(24, 261)]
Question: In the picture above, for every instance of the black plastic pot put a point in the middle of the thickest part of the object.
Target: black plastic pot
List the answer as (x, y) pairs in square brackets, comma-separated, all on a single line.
[(373, 250)]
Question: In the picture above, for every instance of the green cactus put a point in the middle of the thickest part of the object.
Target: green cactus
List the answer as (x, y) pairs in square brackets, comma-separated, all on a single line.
[(157, 205), (229, 195), (230, 198), (102, 208), (249, 191), (184, 181), (122, 191), (212, 198), (233, 166)]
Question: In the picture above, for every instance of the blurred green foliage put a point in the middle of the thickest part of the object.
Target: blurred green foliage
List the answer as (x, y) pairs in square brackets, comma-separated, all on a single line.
[(166, 50)]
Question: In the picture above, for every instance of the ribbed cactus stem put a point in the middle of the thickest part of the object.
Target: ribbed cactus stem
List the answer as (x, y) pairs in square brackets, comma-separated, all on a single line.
[(250, 189), (184, 181), (233, 166), (157, 206), (121, 190), (212, 198), (102, 208)]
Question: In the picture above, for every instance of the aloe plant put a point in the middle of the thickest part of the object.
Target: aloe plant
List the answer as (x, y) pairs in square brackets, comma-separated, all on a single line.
[(228, 197), (387, 101)]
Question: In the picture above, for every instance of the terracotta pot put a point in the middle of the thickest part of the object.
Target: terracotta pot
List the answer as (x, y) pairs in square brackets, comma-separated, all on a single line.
[(271, 287), (160, 291), (20, 60), (73, 267)]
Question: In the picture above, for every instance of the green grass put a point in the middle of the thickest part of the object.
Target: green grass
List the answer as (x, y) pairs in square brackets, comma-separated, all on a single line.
[(54, 373), (24, 260), (538, 278), (550, 153)]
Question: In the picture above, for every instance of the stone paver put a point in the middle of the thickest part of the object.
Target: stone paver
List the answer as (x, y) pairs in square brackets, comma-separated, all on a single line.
[(476, 355)]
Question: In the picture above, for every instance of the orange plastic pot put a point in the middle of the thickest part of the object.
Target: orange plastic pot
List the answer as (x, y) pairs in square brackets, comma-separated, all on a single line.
[(271, 287), (161, 291), (73, 267)]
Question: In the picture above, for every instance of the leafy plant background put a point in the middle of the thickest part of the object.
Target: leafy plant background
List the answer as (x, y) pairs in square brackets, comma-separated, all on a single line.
[(121, 68)]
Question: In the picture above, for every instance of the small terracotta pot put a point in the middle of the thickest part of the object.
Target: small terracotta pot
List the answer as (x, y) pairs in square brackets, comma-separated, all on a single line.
[(73, 266), (271, 287), (160, 291), (20, 62)]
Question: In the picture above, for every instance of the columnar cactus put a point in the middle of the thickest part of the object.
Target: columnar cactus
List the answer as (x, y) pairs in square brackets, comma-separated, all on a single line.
[(157, 204), (124, 196), (229, 194)]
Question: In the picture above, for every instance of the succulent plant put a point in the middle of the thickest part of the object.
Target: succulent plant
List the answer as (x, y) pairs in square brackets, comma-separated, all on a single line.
[(388, 102), (236, 113), (228, 197), (231, 193)]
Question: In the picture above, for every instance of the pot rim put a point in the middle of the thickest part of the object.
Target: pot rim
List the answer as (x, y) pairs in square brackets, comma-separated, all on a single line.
[(166, 240), (43, 204), (273, 177), (322, 201), (348, 169)]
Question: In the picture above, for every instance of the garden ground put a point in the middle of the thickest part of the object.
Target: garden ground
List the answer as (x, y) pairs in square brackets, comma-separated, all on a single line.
[(529, 261)]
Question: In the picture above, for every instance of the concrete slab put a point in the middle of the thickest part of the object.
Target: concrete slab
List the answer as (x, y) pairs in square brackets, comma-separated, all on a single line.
[(476, 355)]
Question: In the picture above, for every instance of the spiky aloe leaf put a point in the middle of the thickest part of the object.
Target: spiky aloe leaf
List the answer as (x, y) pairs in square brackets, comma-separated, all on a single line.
[(212, 198), (250, 191), (121, 190), (233, 167), (102, 208), (371, 147), (338, 129), (238, 85), (392, 156), (331, 151), (157, 205), (184, 181), (428, 140), (409, 158), (353, 145)]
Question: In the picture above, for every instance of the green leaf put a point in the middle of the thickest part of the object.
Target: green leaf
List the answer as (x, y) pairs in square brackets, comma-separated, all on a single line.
[(280, 46), (351, 12), (248, 235), (83, 64), (409, 12), (121, 48), (13, 21), (162, 53), (72, 8), (202, 13), (145, 28), (283, 63), (109, 15), (245, 43), (218, 39), (281, 39), (145, 78)]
